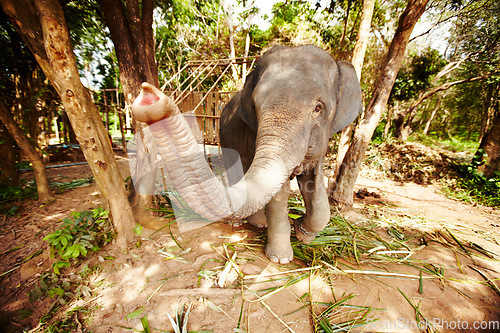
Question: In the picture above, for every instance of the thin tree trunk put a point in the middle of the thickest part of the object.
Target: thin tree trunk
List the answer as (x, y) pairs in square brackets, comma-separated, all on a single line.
[(42, 181), (342, 194), (44, 29), (344, 30), (247, 50), (432, 116), (122, 130), (231, 39), (357, 61), (391, 110)]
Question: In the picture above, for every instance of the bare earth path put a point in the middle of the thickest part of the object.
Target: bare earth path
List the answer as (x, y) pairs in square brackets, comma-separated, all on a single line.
[(160, 273)]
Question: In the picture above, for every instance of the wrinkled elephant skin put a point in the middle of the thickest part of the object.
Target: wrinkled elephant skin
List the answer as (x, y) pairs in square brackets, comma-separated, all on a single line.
[(279, 124)]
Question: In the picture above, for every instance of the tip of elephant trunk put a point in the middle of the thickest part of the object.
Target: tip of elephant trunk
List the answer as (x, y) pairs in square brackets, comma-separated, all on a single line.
[(152, 105)]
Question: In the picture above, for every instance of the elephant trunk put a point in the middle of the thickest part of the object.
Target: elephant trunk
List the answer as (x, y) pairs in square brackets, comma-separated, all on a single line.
[(190, 174)]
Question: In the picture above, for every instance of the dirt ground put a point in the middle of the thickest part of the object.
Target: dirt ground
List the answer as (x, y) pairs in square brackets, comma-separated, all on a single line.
[(167, 270)]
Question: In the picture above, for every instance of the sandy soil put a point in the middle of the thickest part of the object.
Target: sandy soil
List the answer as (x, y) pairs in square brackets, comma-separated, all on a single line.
[(156, 276)]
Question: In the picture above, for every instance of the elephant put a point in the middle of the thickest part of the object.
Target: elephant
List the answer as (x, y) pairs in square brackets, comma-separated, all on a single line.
[(278, 126)]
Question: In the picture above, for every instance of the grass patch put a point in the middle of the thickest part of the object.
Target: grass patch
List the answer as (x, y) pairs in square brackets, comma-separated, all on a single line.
[(453, 144)]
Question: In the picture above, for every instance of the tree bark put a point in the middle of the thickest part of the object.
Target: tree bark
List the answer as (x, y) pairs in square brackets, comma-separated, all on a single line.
[(132, 35), (357, 61), (342, 194), (363, 36), (492, 91), (42, 181), (44, 30), (9, 155), (489, 150)]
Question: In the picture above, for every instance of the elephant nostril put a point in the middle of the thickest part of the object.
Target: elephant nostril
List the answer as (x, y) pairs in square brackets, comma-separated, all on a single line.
[(149, 99)]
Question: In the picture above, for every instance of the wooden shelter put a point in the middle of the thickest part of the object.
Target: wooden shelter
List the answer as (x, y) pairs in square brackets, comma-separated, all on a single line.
[(188, 88)]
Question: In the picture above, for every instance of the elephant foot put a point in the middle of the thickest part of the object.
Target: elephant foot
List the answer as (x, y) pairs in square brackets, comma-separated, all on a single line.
[(258, 219), (302, 234), (279, 254)]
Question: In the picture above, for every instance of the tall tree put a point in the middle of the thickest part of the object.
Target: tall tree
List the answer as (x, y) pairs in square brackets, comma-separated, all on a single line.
[(357, 61), (42, 181), (343, 190), (42, 25), (131, 27)]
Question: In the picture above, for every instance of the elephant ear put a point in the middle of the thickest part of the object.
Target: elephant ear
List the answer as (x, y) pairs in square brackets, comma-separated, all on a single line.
[(348, 97), (247, 107)]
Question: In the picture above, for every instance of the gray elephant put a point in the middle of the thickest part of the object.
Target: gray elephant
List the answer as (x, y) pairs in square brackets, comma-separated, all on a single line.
[(279, 124)]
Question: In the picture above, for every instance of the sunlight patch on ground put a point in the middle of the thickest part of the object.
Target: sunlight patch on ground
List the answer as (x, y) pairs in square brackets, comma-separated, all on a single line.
[(56, 216)]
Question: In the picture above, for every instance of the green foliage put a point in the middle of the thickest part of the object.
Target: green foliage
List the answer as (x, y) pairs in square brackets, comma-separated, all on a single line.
[(62, 288), (27, 190), (417, 75), (475, 37), (83, 232), (473, 186)]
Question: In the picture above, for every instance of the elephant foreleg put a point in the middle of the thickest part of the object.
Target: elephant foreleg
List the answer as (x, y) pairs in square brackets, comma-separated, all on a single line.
[(258, 219), (278, 248), (312, 187)]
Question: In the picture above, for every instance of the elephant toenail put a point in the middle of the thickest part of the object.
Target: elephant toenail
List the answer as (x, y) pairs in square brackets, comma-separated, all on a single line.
[(274, 259), (285, 261)]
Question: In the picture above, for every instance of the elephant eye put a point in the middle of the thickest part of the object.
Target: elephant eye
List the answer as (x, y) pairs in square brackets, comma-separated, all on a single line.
[(318, 107)]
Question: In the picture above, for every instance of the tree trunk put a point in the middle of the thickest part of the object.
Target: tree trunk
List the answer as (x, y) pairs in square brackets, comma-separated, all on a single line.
[(342, 194), (231, 39), (9, 174), (44, 30), (132, 35), (488, 109), (363, 36), (391, 111), (432, 116), (84, 117), (42, 182), (357, 61), (489, 150), (344, 30), (247, 50)]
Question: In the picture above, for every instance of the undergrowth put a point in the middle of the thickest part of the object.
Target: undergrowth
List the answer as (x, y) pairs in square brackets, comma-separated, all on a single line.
[(473, 187), (418, 163), (78, 236), (27, 190)]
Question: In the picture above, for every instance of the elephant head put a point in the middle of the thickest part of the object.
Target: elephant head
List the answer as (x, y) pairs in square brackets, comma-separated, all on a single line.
[(294, 101)]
